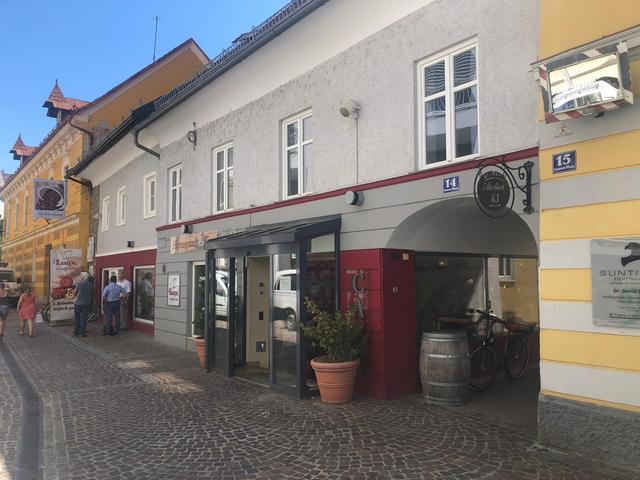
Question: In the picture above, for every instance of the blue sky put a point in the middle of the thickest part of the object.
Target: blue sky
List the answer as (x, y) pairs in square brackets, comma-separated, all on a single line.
[(91, 46)]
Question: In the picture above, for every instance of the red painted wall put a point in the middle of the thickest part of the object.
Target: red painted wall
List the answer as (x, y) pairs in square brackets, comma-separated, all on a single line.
[(126, 261), (390, 360)]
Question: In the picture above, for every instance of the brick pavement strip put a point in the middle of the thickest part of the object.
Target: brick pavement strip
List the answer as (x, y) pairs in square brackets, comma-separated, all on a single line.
[(128, 408)]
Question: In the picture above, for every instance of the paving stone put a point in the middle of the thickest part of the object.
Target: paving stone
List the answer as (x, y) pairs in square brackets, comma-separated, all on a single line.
[(127, 408)]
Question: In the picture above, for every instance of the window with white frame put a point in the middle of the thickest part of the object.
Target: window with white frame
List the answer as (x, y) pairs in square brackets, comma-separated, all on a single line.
[(121, 200), (175, 193), (149, 195), (106, 211), (297, 141), (449, 106), (505, 269), (223, 183)]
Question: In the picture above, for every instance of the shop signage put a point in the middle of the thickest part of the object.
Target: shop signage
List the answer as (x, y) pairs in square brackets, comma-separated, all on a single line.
[(173, 290), (189, 242), (496, 183), (64, 272), (49, 198), (615, 279), (450, 184), (564, 162), (356, 296)]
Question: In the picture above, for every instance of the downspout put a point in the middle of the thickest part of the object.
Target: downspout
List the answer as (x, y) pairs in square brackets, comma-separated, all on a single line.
[(136, 132), (88, 132)]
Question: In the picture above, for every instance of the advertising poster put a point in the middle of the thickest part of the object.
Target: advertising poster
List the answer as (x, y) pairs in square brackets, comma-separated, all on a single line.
[(49, 198), (615, 277), (173, 290), (64, 273)]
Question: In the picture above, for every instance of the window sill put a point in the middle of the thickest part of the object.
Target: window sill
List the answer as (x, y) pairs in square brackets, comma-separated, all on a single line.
[(149, 215), (445, 163), (299, 195)]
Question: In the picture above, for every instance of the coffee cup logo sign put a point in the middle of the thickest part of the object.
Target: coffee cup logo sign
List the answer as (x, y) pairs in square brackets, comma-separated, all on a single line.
[(49, 198)]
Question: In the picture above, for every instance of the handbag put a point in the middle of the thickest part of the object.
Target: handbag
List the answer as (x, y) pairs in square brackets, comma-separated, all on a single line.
[(39, 318)]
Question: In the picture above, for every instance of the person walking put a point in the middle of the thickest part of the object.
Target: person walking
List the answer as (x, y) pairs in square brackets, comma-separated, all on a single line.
[(111, 296), (27, 309), (124, 300), (4, 307), (82, 292)]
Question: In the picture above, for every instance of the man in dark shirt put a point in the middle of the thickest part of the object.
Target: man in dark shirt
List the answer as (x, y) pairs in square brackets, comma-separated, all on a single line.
[(82, 294)]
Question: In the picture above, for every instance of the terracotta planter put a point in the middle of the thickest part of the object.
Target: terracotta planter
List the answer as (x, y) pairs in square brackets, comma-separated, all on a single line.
[(336, 380), (199, 343)]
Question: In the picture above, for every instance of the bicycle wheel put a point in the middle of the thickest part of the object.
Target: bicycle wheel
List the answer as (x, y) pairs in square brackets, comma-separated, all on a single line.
[(516, 357), (483, 368)]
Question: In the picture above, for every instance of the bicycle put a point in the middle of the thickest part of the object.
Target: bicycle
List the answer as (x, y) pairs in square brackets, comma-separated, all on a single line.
[(44, 311), (484, 359)]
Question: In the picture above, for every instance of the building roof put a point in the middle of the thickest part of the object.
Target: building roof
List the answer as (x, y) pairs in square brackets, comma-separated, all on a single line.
[(20, 150), (241, 48), (57, 101), (56, 95)]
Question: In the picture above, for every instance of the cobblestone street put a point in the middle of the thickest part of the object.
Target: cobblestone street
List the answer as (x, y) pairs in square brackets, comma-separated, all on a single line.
[(128, 408)]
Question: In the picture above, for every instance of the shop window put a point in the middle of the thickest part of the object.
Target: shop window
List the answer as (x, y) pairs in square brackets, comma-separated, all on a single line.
[(223, 178), (144, 293), (297, 140), (449, 106), (149, 195), (120, 206), (106, 211), (197, 301), (175, 194)]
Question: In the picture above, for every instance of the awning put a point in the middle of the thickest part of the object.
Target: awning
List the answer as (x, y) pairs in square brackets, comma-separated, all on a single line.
[(274, 233)]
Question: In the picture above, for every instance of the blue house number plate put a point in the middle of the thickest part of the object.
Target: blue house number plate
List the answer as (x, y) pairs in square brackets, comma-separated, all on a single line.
[(564, 162), (450, 184)]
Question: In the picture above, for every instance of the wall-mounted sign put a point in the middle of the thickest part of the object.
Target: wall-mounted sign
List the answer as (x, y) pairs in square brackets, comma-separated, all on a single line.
[(189, 242), (564, 162), (495, 184), (357, 295), (64, 272), (49, 198), (173, 290), (615, 279), (450, 184)]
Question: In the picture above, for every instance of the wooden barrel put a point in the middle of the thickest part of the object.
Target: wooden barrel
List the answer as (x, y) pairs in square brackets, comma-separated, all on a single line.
[(445, 368)]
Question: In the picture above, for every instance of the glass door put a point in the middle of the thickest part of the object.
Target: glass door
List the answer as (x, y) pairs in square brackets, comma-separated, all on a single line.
[(221, 315)]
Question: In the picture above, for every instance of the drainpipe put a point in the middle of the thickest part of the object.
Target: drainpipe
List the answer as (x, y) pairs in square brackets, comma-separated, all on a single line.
[(136, 132), (83, 130)]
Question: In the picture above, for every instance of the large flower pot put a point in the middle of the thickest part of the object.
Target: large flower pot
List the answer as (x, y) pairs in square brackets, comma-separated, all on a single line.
[(199, 343), (336, 380)]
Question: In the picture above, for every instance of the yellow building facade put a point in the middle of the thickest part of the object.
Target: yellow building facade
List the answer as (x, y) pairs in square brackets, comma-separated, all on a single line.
[(79, 124), (589, 195)]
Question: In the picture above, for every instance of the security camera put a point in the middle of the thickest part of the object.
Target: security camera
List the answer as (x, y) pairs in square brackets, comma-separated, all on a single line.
[(348, 108)]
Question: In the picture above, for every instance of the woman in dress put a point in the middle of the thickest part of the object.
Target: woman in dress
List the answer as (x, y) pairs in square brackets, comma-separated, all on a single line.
[(27, 309), (4, 307)]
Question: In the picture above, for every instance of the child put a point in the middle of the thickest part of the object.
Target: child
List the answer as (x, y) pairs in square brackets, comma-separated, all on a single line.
[(27, 309)]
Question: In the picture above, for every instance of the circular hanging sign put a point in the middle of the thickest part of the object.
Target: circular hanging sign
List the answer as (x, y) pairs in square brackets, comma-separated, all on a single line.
[(492, 191)]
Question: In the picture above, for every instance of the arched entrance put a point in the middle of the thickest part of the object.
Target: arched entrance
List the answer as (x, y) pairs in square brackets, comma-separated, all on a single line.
[(466, 261)]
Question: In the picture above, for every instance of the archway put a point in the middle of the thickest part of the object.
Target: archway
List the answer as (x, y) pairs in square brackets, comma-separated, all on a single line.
[(467, 261)]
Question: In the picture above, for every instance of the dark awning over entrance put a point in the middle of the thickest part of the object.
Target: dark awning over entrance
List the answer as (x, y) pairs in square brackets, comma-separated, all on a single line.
[(274, 233)]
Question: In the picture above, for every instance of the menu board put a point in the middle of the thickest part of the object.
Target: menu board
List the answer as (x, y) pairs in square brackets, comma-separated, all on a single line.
[(64, 273)]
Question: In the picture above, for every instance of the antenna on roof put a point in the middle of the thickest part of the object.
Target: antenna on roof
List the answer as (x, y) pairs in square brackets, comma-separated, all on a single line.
[(155, 37)]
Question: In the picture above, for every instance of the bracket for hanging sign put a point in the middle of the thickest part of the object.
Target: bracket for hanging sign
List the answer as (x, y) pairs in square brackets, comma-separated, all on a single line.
[(495, 184)]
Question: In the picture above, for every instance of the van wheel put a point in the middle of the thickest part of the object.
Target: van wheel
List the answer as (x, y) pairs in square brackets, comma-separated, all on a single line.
[(290, 320)]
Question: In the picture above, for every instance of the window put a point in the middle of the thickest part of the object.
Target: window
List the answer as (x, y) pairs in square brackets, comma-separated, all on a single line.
[(149, 195), (223, 186), (175, 193), (505, 269), (198, 312), (449, 106), (17, 213), (106, 211), (120, 204), (144, 291), (298, 154), (26, 209)]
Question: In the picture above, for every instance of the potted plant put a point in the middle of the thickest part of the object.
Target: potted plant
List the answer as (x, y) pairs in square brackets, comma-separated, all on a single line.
[(341, 337), (198, 335)]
